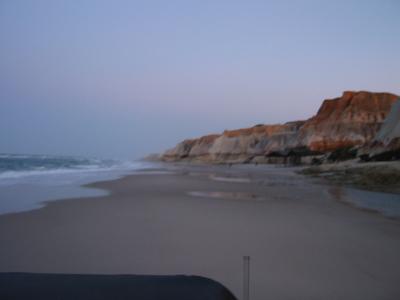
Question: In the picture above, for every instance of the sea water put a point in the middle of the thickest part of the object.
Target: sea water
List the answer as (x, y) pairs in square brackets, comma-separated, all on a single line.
[(28, 181)]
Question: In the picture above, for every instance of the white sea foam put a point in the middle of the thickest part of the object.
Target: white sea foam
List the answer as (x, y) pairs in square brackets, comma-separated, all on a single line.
[(78, 169), (25, 182), (13, 167)]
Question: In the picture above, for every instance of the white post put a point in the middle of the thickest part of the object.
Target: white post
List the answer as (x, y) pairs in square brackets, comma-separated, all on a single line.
[(246, 277)]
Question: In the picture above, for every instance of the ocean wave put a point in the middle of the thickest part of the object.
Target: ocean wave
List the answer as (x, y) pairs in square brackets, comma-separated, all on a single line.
[(14, 166)]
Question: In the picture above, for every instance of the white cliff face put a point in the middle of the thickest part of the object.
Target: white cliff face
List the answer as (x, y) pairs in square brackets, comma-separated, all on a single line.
[(386, 144), (390, 129), (232, 148), (201, 147), (283, 139), (180, 151), (225, 145), (244, 144)]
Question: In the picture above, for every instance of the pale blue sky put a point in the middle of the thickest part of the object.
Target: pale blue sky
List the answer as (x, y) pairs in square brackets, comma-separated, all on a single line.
[(125, 78)]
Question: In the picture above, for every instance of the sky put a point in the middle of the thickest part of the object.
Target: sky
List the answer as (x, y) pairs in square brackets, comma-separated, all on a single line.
[(121, 79)]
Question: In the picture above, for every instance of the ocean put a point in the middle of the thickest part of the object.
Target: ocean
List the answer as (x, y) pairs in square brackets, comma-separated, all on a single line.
[(28, 181)]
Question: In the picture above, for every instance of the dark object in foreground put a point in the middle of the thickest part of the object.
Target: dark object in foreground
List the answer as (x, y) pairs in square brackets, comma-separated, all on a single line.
[(118, 287)]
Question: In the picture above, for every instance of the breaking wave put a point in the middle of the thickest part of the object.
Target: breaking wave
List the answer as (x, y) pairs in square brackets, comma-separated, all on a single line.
[(14, 166)]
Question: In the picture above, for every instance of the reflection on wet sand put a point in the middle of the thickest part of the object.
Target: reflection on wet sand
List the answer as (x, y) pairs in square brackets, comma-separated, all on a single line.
[(229, 179), (385, 203), (226, 195)]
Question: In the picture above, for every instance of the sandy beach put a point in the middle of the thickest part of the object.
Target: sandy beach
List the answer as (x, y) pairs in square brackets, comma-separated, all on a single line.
[(201, 220)]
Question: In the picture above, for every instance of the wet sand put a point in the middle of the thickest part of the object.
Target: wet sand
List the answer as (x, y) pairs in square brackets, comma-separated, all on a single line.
[(303, 243)]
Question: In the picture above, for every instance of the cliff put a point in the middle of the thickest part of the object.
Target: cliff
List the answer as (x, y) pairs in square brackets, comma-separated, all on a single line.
[(386, 143), (351, 120), (191, 149), (347, 121), (236, 146), (244, 144)]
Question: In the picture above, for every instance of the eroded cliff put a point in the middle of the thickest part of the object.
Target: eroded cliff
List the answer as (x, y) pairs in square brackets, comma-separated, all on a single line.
[(352, 120)]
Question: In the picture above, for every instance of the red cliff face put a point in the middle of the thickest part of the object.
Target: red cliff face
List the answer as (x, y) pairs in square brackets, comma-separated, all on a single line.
[(350, 120), (260, 129)]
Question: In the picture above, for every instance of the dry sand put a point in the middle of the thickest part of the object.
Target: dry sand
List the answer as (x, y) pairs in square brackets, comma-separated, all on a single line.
[(303, 243)]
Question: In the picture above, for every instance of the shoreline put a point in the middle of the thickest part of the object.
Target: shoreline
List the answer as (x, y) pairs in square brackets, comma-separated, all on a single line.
[(33, 191), (311, 244), (331, 175)]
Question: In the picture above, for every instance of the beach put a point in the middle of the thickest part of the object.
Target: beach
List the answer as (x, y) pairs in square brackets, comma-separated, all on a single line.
[(304, 240)]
